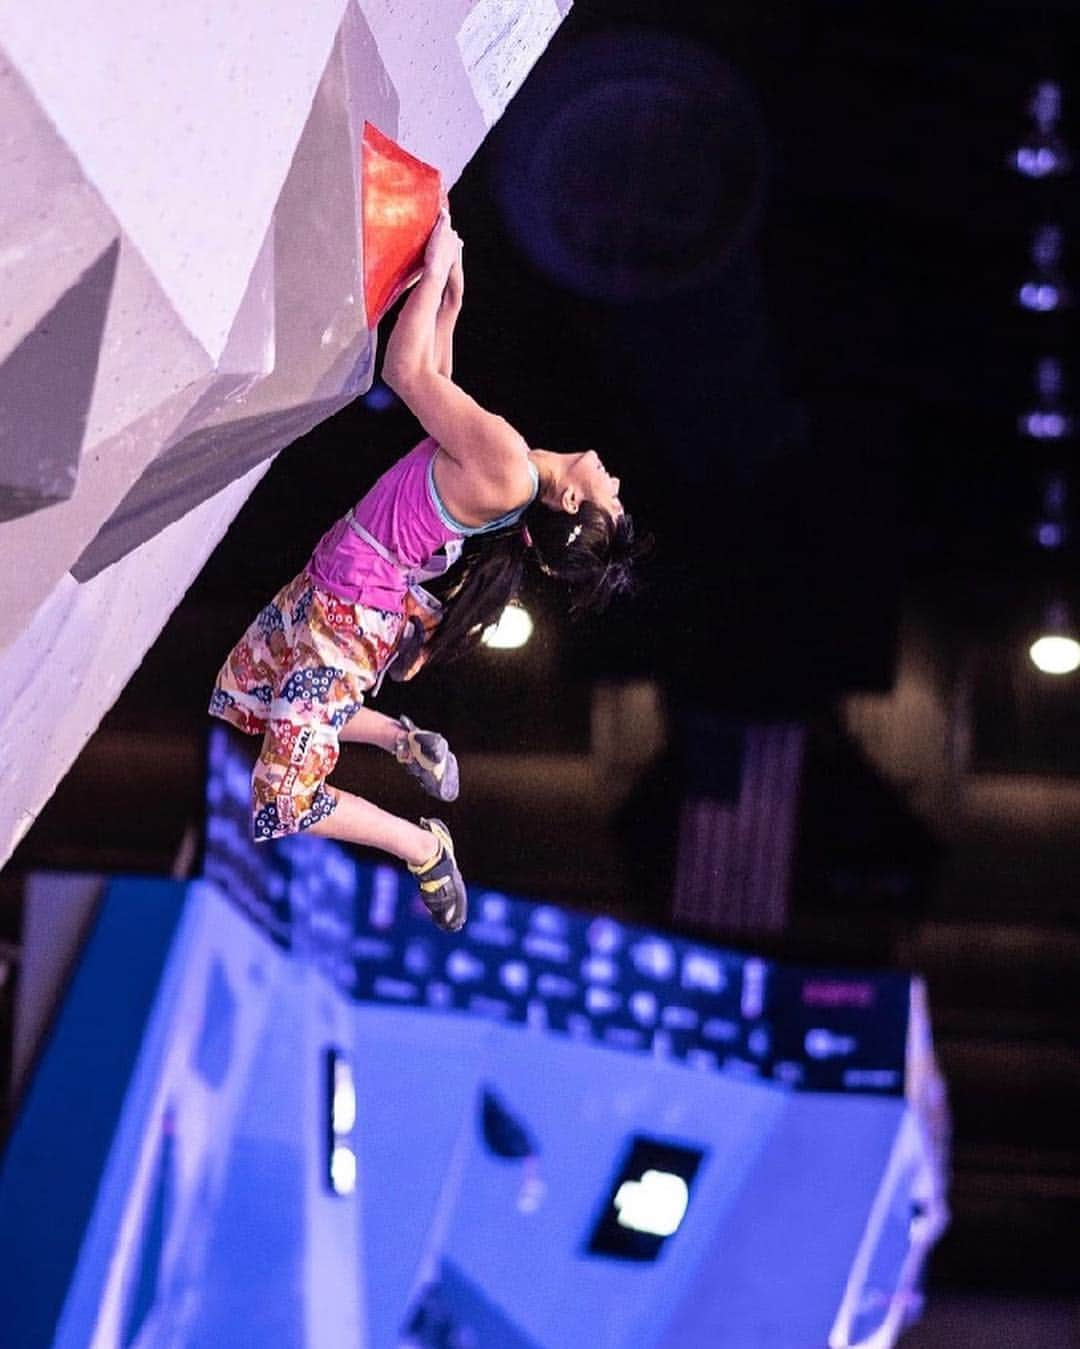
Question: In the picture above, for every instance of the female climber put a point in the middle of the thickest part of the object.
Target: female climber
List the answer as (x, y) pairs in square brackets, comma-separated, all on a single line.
[(299, 675)]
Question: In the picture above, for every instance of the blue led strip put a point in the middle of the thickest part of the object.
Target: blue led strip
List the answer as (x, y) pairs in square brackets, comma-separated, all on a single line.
[(549, 969)]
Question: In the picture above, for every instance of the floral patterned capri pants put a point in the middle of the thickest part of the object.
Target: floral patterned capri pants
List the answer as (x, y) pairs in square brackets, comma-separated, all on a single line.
[(295, 678)]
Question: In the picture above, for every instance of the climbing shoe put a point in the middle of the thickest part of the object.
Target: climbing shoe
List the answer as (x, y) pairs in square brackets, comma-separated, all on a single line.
[(427, 757), (441, 886)]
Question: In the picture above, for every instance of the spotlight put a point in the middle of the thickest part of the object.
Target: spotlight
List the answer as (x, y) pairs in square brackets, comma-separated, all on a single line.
[(1042, 296), (1043, 152), (1052, 527), (514, 628), (1047, 421), (1048, 534), (1055, 655), (1044, 290), (1056, 652), (1045, 425)]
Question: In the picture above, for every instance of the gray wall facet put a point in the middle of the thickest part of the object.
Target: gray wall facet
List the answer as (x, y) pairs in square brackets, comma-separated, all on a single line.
[(45, 388)]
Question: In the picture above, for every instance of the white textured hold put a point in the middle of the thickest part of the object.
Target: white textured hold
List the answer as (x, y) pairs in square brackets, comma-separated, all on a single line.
[(500, 41)]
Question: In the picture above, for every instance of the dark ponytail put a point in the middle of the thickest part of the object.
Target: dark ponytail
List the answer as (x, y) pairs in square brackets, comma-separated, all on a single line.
[(491, 572), (590, 551)]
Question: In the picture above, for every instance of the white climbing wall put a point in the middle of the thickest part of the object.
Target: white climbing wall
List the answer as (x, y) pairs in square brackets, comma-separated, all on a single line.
[(181, 295)]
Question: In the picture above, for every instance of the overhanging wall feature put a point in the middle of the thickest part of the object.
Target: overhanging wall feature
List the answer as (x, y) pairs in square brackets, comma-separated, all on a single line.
[(183, 189), (45, 388)]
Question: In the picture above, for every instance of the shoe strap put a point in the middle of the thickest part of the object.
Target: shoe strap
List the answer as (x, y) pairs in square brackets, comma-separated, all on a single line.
[(425, 867), (410, 749)]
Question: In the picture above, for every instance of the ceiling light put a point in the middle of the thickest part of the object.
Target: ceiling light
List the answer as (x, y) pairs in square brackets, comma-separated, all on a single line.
[(514, 628), (1041, 296), (1056, 655), (1056, 651), (1043, 152), (1050, 534), (1049, 420), (1044, 289), (1052, 526), (1045, 425)]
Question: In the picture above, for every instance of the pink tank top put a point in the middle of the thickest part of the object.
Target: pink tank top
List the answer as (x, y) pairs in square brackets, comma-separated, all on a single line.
[(404, 513), (399, 512)]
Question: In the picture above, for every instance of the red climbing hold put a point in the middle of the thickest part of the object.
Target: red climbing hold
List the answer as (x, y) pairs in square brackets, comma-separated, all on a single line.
[(401, 197)]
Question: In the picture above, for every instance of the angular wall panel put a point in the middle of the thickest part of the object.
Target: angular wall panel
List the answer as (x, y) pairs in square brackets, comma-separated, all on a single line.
[(191, 472), (223, 155), (52, 222), (67, 667), (197, 108), (45, 388)]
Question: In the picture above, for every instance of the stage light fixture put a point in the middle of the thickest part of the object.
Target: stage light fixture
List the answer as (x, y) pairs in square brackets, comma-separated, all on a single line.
[(1049, 534), (1052, 527), (514, 628), (1055, 655), (1056, 651), (1048, 420), (1044, 290), (1044, 424), (1043, 152), (1041, 296)]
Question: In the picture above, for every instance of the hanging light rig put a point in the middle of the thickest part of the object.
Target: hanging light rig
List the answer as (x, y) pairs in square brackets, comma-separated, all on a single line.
[(1052, 527), (1043, 290), (1049, 422), (1056, 651), (1043, 152), (1049, 419)]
